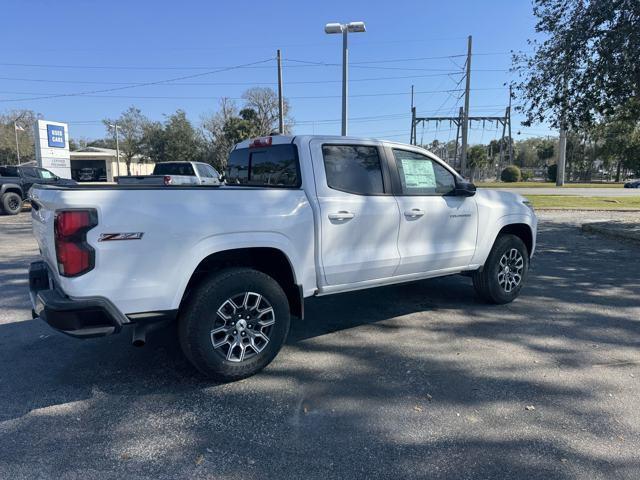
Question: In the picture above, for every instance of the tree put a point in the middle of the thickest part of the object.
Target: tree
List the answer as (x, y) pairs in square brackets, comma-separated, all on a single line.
[(545, 150), (181, 141), (153, 141), (264, 101), (103, 143), (476, 158), (25, 121), (173, 140), (131, 124), (588, 60), (619, 142), (230, 125)]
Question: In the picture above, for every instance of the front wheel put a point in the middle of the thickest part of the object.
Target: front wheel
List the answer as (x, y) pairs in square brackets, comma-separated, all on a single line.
[(11, 203), (504, 272), (234, 324)]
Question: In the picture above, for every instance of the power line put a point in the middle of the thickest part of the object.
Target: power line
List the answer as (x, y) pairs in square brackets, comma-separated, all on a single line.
[(205, 97), (144, 84), (123, 67), (203, 67), (300, 82), (414, 59)]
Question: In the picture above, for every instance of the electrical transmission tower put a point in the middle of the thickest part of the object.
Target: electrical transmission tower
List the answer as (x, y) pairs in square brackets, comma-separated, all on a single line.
[(463, 122)]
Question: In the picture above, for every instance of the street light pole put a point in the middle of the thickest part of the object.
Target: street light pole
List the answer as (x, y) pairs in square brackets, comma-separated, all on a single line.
[(354, 27), (345, 79)]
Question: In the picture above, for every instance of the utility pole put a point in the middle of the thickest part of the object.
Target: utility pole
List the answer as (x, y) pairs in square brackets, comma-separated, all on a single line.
[(465, 120), (509, 120), (280, 97)]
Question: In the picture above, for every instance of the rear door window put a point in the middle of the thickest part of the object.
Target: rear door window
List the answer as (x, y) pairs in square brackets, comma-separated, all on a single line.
[(274, 166), (353, 169), (9, 172)]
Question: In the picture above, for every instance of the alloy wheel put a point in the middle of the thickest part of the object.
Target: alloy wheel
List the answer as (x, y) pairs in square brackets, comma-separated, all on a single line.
[(510, 270), (242, 326)]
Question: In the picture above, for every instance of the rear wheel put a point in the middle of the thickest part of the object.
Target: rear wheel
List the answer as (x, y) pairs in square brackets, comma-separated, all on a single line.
[(234, 324), (504, 272), (11, 203)]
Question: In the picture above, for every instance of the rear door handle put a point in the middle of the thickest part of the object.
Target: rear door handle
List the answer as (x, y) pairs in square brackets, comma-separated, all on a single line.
[(414, 213), (341, 215)]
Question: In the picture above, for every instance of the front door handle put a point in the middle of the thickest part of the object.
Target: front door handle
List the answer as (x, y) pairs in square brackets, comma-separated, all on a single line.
[(341, 215), (414, 213)]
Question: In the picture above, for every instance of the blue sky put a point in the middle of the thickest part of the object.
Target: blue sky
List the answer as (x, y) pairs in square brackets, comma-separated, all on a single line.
[(62, 47)]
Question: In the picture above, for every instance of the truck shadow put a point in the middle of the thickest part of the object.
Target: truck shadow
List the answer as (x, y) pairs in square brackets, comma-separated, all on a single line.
[(412, 380)]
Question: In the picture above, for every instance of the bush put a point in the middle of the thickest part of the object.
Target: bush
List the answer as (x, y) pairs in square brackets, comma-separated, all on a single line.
[(510, 174), (526, 176), (552, 172)]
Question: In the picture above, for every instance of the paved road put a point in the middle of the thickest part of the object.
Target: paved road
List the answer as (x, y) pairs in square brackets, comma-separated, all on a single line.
[(582, 192), (412, 381)]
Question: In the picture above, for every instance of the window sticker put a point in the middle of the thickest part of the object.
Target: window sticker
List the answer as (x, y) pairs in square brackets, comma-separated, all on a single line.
[(418, 173)]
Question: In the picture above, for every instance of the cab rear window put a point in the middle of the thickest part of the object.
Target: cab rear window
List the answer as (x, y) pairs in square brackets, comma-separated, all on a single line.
[(272, 166)]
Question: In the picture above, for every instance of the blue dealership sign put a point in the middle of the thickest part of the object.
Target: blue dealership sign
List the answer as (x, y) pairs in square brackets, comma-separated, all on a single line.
[(55, 135)]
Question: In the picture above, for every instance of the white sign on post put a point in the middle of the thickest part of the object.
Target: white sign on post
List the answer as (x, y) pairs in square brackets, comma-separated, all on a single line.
[(52, 147)]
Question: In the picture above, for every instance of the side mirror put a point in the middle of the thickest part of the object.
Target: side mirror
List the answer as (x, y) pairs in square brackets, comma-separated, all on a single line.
[(464, 188)]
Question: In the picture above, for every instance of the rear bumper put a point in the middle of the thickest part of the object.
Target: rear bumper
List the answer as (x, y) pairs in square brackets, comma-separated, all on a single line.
[(79, 317)]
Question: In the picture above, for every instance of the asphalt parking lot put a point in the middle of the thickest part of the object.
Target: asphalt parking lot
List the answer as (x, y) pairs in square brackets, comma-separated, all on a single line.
[(410, 381)]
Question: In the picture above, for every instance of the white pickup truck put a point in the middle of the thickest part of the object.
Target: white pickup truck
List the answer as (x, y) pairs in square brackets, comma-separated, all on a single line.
[(299, 216)]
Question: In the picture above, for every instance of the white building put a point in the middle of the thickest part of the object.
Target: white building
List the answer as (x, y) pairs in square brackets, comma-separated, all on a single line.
[(93, 164)]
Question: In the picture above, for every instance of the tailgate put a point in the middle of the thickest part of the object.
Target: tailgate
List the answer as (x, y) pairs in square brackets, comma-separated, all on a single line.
[(43, 207)]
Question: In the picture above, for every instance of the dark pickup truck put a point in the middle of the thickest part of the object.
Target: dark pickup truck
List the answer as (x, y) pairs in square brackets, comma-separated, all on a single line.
[(15, 182)]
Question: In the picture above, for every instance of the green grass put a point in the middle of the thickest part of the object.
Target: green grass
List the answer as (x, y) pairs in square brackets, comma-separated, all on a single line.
[(546, 185), (571, 202)]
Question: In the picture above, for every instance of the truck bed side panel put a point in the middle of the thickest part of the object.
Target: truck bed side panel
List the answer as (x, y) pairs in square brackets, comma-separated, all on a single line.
[(180, 227)]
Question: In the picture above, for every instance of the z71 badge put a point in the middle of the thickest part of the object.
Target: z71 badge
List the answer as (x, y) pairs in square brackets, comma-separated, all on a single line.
[(108, 237)]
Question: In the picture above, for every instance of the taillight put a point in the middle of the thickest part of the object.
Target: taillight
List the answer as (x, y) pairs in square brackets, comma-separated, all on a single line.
[(167, 180), (75, 256)]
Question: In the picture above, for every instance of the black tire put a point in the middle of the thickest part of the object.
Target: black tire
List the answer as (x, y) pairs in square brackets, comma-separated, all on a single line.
[(487, 281), (199, 318), (11, 203)]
